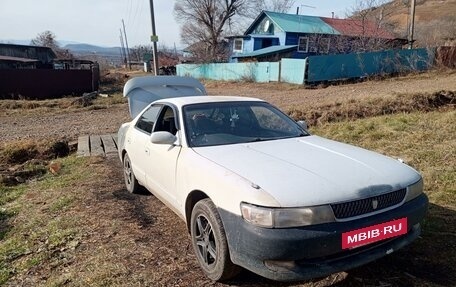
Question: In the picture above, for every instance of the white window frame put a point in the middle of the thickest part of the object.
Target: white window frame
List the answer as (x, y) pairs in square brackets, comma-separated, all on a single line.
[(307, 45), (234, 45)]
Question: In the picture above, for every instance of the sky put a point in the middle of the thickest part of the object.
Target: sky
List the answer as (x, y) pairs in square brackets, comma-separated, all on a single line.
[(97, 22)]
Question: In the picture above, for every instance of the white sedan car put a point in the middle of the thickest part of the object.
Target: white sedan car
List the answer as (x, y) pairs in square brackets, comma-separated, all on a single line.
[(257, 191)]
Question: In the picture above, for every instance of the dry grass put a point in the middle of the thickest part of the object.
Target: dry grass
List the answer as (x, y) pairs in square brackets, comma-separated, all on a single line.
[(58, 106), (18, 152), (352, 109), (26, 160)]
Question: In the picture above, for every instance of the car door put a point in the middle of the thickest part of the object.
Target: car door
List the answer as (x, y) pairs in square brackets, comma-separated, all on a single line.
[(138, 137), (161, 166)]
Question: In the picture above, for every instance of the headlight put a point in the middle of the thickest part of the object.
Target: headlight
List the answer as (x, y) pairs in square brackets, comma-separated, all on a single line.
[(286, 217), (414, 190)]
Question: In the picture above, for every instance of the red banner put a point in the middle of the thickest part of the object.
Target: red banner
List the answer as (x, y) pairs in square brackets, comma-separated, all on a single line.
[(374, 233)]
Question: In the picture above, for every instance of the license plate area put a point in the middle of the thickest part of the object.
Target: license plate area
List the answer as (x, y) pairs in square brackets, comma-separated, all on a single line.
[(374, 233)]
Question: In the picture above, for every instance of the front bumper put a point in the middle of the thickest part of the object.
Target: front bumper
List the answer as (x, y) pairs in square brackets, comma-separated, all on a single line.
[(314, 251)]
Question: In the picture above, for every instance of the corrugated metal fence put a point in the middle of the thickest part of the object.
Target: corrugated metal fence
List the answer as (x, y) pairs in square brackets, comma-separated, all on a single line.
[(315, 68), (358, 65), (46, 83)]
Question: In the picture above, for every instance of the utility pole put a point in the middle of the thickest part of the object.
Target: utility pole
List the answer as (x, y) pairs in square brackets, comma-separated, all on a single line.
[(412, 23), (122, 49), (154, 38), (126, 44)]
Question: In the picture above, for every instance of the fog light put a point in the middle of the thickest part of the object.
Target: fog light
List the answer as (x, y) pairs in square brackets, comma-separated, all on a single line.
[(276, 265)]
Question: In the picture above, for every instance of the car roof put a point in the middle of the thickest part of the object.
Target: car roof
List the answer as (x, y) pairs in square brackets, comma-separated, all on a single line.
[(179, 102)]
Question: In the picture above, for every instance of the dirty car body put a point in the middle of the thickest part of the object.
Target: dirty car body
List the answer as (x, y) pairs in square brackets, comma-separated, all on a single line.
[(256, 190)]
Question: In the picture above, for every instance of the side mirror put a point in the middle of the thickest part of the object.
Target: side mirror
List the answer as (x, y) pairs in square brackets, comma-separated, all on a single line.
[(163, 138), (303, 125)]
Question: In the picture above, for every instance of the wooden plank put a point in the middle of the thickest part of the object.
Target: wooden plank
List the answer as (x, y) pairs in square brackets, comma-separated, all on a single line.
[(83, 146), (109, 145), (114, 137), (96, 149)]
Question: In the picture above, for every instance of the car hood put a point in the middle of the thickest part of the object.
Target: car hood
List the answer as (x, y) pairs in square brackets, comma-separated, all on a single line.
[(311, 170)]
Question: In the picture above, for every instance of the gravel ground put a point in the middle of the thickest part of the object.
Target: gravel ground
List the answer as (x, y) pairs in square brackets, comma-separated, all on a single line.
[(62, 124), (71, 122)]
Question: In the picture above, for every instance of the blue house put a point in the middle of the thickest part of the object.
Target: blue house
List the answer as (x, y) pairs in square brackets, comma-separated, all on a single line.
[(273, 36)]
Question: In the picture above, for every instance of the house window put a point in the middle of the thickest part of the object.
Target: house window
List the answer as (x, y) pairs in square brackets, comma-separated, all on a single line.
[(238, 45), (303, 44), (324, 45)]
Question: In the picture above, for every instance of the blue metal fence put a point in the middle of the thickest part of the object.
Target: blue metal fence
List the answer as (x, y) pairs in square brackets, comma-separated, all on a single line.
[(293, 71), (357, 65), (259, 72), (319, 68)]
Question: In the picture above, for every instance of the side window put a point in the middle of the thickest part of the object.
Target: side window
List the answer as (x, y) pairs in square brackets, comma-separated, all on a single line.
[(166, 121), (147, 119), (238, 45)]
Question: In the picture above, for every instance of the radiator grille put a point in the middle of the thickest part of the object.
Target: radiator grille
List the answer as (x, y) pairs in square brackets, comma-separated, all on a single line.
[(368, 205)]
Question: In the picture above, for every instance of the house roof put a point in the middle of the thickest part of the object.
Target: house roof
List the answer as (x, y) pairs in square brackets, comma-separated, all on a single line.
[(266, 51), (17, 59), (300, 23), (293, 23), (354, 27)]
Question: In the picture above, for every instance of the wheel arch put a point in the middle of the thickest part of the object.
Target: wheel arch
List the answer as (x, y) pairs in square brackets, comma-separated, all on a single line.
[(123, 155), (192, 198)]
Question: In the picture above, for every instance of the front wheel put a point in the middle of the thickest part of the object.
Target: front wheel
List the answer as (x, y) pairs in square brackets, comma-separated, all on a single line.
[(209, 242), (131, 182)]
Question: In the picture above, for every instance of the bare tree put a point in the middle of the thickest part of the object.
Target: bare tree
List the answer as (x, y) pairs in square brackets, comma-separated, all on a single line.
[(137, 52), (371, 20), (281, 6), (48, 39), (206, 22)]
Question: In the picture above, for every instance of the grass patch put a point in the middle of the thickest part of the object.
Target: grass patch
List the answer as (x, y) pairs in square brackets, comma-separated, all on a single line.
[(62, 203), (352, 110), (39, 235), (426, 141), (59, 106)]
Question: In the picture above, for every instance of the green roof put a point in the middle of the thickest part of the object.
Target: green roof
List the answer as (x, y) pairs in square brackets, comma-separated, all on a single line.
[(266, 51), (295, 23)]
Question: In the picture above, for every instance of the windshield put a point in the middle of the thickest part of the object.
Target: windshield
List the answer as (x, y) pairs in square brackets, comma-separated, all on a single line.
[(223, 123)]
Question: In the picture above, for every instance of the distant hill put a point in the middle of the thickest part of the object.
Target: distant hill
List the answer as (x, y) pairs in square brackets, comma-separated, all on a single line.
[(435, 20), (107, 55), (87, 49)]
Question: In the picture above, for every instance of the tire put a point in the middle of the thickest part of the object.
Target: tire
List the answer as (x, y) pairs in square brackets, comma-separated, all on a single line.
[(131, 182), (209, 242)]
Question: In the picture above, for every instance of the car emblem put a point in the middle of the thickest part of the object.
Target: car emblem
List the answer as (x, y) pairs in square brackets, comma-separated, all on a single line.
[(374, 204)]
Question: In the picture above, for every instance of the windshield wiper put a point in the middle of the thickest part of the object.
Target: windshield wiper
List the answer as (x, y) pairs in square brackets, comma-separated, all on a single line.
[(258, 140)]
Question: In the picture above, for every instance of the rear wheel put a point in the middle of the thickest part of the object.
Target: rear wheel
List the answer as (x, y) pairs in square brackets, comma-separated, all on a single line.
[(209, 242), (130, 180)]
